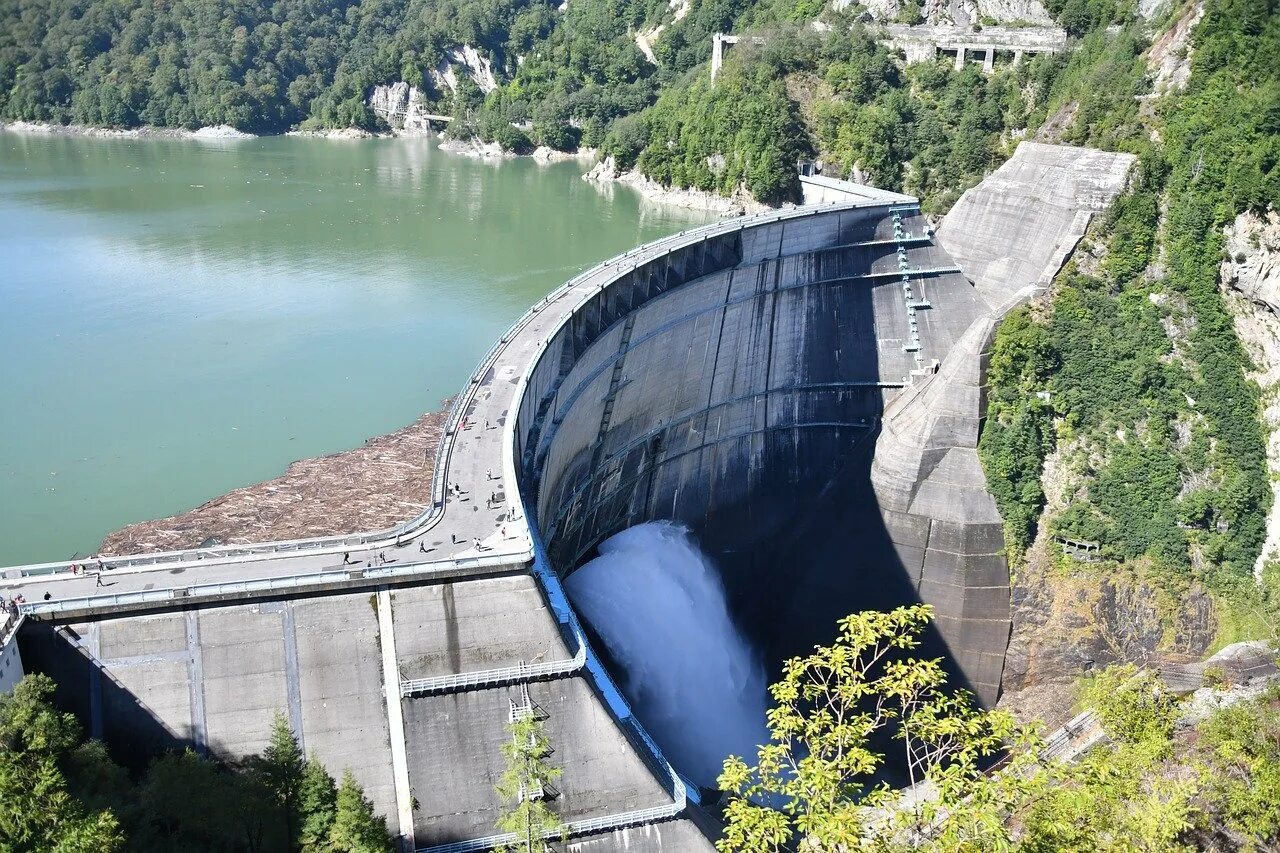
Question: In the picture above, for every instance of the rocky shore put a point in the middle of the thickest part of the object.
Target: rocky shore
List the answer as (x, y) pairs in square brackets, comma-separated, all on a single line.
[(475, 148), (380, 484), (603, 173), (607, 172), (221, 131)]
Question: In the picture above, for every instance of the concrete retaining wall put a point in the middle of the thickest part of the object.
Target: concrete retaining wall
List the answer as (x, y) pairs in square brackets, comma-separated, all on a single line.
[(211, 678)]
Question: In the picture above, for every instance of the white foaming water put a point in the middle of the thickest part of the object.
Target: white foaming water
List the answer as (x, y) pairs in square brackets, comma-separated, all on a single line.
[(690, 675)]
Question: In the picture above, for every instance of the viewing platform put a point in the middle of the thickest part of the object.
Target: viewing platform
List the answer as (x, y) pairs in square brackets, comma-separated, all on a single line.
[(924, 43)]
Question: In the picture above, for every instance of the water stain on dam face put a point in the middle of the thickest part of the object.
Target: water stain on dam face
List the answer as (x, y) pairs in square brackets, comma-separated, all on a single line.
[(736, 386)]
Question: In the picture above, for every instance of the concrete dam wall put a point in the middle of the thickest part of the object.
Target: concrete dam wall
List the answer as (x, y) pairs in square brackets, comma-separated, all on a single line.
[(803, 389), (737, 385)]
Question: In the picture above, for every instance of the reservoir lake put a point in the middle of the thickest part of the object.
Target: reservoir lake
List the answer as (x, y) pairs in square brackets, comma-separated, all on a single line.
[(182, 317)]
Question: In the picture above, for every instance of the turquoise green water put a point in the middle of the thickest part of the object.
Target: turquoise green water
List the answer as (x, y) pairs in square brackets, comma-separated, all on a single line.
[(179, 318)]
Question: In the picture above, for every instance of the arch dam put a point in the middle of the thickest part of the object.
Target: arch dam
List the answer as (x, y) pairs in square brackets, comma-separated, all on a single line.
[(802, 388)]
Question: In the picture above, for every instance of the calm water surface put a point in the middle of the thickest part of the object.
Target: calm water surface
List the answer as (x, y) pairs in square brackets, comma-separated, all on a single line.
[(179, 318)]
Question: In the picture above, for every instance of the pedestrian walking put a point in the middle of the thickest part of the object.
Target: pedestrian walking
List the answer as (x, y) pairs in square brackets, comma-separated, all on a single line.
[(98, 580), (346, 558), (422, 547)]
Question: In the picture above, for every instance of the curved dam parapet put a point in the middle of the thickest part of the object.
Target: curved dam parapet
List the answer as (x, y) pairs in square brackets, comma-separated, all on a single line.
[(736, 383)]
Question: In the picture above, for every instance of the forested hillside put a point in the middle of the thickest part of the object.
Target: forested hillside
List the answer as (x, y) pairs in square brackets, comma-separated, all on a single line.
[(567, 75), (1129, 379)]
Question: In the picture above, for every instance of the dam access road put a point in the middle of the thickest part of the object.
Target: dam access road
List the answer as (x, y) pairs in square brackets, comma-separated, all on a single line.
[(833, 349)]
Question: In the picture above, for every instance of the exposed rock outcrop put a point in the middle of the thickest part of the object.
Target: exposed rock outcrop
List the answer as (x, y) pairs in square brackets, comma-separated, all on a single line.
[(403, 107), (1012, 12), (373, 487), (1069, 623), (477, 67), (1169, 59), (220, 131), (544, 154), (476, 148), (1250, 278), (960, 13), (340, 133), (606, 173), (1252, 265)]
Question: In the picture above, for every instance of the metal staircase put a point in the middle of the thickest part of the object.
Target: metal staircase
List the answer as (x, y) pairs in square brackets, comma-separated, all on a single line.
[(913, 303)]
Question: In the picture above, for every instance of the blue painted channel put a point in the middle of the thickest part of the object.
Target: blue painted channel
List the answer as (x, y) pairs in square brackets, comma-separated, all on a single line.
[(599, 677)]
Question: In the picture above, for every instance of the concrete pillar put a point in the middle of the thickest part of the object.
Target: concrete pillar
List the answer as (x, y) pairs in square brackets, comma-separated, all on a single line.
[(960, 51), (989, 63), (1017, 58), (717, 54)]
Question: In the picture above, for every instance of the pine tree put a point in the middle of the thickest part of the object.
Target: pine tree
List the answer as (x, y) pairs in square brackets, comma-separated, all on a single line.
[(37, 812), (282, 766), (356, 829), (317, 802), (524, 786)]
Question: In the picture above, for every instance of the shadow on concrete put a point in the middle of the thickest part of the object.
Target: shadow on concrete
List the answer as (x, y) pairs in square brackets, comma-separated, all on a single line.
[(773, 476), (108, 710)]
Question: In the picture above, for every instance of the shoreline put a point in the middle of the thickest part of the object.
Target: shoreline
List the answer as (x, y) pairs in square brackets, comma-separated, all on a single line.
[(606, 174), (603, 174), (40, 128), (377, 485)]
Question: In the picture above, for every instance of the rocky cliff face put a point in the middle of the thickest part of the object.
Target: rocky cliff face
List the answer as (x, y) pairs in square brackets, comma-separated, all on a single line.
[(1250, 279), (1011, 11), (1169, 59), (403, 107), (470, 61), (961, 13), (1072, 621), (1252, 265)]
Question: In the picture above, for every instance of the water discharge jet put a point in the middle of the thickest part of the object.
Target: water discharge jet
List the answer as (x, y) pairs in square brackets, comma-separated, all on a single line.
[(657, 603)]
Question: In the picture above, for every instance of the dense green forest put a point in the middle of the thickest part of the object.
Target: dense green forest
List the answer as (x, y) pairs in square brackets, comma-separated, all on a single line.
[(1133, 370), (60, 792), (566, 78)]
